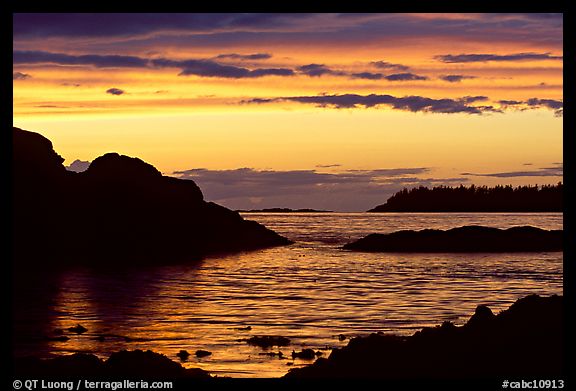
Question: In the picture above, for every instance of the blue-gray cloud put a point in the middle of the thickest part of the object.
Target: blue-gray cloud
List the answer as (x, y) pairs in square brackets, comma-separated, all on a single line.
[(20, 76), (236, 56), (456, 78), (349, 190), (316, 70), (78, 165), (407, 103), (276, 27), (98, 61), (404, 77), (115, 91), (535, 103), (134, 24), (463, 58), (390, 66), (208, 68), (555, 171), (198, 67)]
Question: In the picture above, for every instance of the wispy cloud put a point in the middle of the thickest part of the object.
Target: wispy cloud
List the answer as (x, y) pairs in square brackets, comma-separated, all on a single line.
[(20, 76), (405, 77), (390, 66), (406, 103), (96, 60), (535, 103), (316, 70), (463, 58), (555, 171), (455, 78), (241, 57)]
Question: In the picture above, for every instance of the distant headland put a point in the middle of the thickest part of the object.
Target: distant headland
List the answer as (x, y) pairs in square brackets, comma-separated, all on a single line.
[(547, 198), (283, 210)]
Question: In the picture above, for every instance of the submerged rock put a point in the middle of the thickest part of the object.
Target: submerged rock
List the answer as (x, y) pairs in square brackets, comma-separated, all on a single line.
[(268, 341), (78, 329), (463, 239), (522, 341), (305, 354), (202, 353), (183, 355)]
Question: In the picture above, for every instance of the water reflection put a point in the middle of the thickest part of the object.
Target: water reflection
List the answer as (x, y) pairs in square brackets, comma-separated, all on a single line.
[(310, 292)]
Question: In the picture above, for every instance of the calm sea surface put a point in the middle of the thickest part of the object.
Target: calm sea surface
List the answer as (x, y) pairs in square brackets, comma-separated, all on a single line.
[(310, 292)]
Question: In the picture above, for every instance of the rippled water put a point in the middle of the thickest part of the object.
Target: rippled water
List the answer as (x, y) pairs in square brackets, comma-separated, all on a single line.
[(310, 292)]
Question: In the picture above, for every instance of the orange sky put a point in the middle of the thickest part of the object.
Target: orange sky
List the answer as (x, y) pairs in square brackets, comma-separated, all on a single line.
[(287, 95)]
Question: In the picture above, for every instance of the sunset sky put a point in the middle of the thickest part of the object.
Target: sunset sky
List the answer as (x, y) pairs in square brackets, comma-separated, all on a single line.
[(326, 111)]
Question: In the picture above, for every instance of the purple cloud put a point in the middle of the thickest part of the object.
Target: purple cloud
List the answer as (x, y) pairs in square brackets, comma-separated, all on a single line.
[(115, 91), (455, 78), (462, 58), (20, 76), (407, 103)]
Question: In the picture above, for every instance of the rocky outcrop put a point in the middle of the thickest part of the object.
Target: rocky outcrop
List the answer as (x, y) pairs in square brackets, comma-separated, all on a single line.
[(526, 340), (127, 364), (463, 239), (120, 211)]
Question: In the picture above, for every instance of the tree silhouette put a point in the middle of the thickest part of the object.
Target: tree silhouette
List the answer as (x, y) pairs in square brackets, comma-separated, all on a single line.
[(546, 198)]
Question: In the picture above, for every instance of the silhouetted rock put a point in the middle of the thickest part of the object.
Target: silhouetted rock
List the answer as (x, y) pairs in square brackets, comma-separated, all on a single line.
[(305, 354), (127, 364), (120, 211), (268, 341), (525, 340), (59, 338), (279, 354), (183, 355), (202, 353), (78, 329), (462, 239)]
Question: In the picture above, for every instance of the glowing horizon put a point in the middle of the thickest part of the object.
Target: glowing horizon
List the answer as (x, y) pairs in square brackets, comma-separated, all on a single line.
[(455, 94)]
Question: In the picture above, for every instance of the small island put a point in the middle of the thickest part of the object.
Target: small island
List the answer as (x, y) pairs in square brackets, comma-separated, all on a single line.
[(467, 239), (547, 198), (283, 210)]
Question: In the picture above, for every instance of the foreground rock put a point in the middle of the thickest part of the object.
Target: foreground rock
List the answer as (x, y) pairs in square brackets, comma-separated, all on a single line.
[(137, 363), (119, 211), (267, 341), (524, 340), (462, 239)]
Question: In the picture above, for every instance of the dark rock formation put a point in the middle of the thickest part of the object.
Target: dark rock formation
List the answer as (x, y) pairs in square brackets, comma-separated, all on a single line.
[(462, 239), (305, 354), (526, 340), (127, 364), (119, 211), (183, 355), (202, 353), (78, 329), (267, 341)]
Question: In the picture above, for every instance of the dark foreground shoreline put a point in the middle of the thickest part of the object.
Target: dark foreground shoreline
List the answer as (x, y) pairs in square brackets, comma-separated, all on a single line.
[(526, 340)]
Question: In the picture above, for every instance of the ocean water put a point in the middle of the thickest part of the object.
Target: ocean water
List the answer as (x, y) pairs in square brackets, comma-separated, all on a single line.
[(311, 292)]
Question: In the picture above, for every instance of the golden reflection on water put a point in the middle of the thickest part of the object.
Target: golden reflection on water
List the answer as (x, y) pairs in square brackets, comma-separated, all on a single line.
[(310, 292)]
